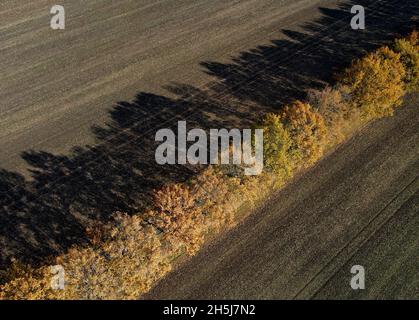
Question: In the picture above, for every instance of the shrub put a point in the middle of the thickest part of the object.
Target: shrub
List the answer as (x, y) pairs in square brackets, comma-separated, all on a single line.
[(333, 106), (215, 195), (124, 266), (177, 216), (375, 83), (28, 284), (130, 253), (133, 257), (307, 132), (409, 55)]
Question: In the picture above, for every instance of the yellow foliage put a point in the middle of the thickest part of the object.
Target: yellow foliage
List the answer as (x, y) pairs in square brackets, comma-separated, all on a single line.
[(339, 118), (177, 216), (277, 145), (375, 83), (130, 253), (124, 267), (307, 131), (414, 38), (215, 196), (409, 54)]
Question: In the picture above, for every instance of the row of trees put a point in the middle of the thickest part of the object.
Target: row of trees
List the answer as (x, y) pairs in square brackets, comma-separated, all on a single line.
[(371, 88), (131, 253)]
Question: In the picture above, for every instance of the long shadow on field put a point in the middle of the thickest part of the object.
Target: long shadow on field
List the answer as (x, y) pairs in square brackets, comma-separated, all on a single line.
[(48, 214)]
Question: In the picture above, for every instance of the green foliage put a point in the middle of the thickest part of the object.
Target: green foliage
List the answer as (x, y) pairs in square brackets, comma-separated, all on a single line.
[(277, 146)]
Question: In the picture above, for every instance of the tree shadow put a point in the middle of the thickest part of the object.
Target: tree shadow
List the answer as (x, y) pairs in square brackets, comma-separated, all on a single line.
[(273, 75), (46, 215)]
